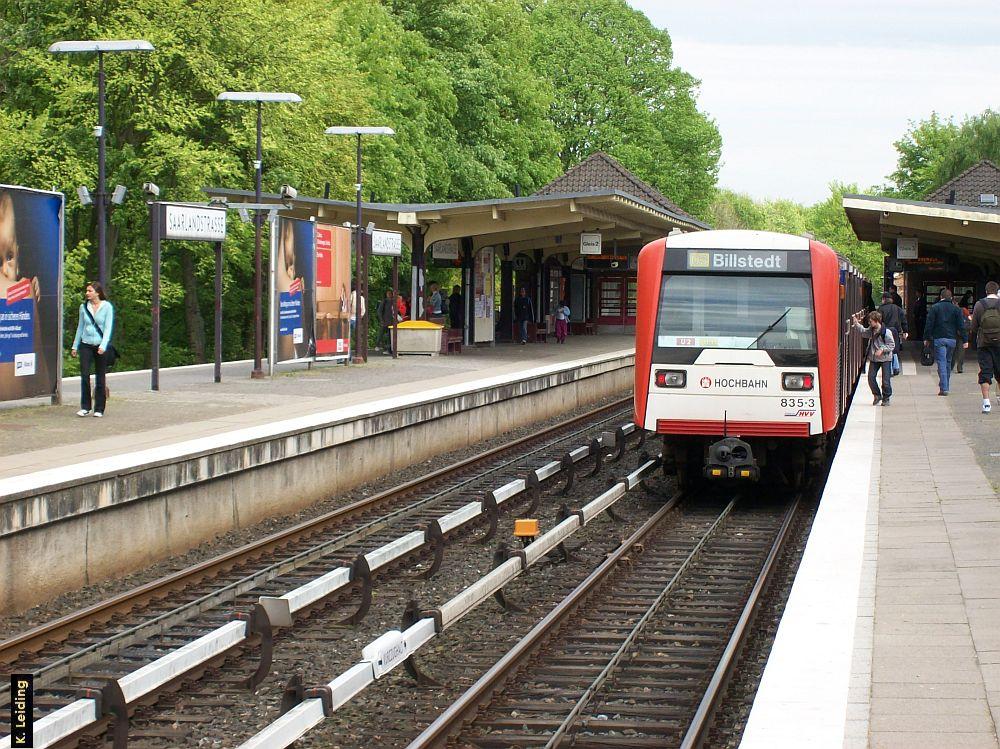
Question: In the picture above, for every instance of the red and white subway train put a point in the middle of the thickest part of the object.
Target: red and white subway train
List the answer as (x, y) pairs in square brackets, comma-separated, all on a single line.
[(745, 361)]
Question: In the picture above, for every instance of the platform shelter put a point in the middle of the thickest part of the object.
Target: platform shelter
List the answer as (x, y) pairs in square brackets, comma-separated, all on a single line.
[(949, 240), (532, 242)]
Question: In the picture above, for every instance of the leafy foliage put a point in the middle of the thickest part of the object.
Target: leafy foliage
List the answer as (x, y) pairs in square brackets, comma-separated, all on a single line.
[(920, 154), (484, 95), (935, 151), (616, 90)]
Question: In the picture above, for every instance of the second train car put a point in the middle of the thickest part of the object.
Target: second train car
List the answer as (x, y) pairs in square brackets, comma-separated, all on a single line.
[(745, 361)]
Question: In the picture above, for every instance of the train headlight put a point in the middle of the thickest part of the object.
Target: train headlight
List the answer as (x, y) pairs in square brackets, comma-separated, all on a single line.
[(671, 378), (797, 381)]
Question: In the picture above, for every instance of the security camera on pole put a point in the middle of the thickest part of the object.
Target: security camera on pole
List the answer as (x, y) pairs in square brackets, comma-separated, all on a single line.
[(101, 203), (258, 97), (360, 253)]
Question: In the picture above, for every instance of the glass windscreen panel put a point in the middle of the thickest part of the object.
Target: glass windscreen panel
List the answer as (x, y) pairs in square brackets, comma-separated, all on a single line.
[(736, 312)]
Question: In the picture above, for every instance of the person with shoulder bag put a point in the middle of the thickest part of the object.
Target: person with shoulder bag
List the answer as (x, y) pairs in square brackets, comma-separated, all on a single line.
[(894, 319), (93, 345), (879, 355), (944, 330), (985, 326)]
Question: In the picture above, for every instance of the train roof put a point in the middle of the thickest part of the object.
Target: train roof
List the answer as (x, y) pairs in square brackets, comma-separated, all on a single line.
[(737, 239)]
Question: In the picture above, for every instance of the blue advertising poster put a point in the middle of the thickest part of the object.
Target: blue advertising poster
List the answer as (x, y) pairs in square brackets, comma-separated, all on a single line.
[(290, 312), (31, 235), (293, 268)]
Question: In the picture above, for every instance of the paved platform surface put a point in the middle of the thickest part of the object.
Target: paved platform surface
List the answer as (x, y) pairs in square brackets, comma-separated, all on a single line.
[(891, 637), (190, 405)]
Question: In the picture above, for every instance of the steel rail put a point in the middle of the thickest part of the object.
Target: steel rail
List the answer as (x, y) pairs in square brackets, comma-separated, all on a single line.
[(696, 733), (561, 733), (59, 629), (466, 706)]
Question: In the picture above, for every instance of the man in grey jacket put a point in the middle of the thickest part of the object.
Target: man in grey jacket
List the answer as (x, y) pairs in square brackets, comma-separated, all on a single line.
[(879, 355)]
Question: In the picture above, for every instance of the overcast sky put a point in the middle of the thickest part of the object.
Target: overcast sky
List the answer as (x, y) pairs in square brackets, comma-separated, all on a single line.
[(807, 92)]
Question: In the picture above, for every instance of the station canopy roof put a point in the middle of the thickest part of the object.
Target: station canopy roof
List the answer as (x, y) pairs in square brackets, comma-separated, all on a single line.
[(613, 202), (969, 232)]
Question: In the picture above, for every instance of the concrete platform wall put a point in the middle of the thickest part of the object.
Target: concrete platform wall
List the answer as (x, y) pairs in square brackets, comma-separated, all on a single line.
[(70, 533)]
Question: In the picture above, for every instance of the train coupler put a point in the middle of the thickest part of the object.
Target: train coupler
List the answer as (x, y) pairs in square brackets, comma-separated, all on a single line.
[(731, 458)]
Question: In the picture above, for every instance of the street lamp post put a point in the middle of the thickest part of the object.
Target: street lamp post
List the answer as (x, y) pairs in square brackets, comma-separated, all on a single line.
[(259, 98), (361, 254), (100, 47)]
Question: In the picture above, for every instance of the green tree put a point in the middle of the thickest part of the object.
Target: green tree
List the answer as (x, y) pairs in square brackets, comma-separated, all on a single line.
[(977, 138), (503, 136), (733, 210), (350, 59), (828, 223), (921, 151), (616, 90)]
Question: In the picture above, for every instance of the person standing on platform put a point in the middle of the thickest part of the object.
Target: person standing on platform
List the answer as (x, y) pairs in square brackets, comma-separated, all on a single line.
[(456, 308), (355, 308), (986, 327), (386, 319), (524, 312), (880, 355), (562, 321), (93, 337), (436, 301), (966, 306), (944, 330), (894, 319)]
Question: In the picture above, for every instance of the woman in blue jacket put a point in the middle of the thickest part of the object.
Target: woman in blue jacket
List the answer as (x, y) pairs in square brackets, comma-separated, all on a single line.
[(93, 336)]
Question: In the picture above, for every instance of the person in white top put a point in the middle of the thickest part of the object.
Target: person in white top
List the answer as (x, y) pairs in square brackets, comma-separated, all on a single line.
[(562, 321), (354, 307)]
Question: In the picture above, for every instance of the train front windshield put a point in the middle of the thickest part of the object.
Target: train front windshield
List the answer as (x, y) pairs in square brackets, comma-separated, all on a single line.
[(772, 313)]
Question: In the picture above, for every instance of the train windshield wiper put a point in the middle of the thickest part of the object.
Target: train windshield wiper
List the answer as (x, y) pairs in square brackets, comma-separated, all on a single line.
[(770, 327)]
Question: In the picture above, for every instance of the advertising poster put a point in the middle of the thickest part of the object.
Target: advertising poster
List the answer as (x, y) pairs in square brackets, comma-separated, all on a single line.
[(483, 290), (292, 266), (31, 235), (333, 291)]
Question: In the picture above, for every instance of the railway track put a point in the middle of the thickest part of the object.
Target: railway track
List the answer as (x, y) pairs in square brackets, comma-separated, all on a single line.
[(118, 636), (639, 653)]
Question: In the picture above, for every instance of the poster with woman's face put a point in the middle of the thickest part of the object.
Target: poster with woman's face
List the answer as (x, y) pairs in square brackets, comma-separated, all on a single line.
[(292, 306), (31, 234), (333, 291)]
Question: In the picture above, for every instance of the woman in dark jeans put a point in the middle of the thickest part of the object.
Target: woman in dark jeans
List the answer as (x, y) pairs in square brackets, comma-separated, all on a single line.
[(93, 336), (879, 355)]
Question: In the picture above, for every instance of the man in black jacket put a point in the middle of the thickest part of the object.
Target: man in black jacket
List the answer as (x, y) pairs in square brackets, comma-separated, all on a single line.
[(524, 312), (894, 319), (945, 329), (386, 319), (456, 308)]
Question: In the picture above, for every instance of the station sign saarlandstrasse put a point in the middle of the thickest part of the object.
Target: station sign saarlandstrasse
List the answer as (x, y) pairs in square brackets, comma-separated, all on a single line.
[(194, 222), (387, 243)]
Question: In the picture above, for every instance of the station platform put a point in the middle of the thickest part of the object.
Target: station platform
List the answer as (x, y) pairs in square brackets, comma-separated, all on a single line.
[(190, 405), (891, 634), (84, 499)]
